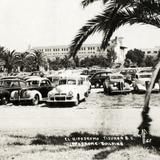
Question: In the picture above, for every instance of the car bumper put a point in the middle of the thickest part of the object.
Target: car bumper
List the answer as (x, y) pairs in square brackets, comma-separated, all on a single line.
[(20, 99), (61, 99), (120, 91)]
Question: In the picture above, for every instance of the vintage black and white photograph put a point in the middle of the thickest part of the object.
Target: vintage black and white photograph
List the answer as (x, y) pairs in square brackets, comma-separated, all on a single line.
[(79, 80)]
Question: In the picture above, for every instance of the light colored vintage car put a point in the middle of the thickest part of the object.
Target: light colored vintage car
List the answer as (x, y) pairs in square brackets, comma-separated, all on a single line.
[(115, 84), (70, 89), (142, 81), (35, 90)]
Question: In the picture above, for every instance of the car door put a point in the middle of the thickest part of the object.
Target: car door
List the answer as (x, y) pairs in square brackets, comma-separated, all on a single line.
[(45, 87), (96, 79), (102, 78), (14, 85)]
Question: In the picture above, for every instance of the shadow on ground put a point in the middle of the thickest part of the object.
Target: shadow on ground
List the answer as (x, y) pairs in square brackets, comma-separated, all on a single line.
[(86, 141)]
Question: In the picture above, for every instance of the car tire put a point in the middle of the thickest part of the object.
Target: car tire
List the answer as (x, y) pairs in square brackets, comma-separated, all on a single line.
[(5, 100), (35, 100), (15, 103), (109, 91), (77, 101), (86, 94)]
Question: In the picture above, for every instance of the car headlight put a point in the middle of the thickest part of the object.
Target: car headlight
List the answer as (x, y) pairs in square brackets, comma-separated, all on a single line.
[(26, 95), (51, 94), (70, 93), (114, 84)]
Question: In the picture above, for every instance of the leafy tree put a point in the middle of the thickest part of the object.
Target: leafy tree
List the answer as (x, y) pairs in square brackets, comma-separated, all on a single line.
[(149, 61), (136, 56), (127, 63)]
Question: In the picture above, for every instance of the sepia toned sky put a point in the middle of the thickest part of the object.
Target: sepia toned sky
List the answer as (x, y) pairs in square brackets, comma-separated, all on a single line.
[(56, 22)]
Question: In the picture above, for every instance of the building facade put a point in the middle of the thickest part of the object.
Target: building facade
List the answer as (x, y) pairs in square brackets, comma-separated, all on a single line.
[(87, 50), (151, 51)]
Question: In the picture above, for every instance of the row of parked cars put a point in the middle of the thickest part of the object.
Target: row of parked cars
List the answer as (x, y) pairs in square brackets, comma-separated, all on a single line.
[(74, 88), (115, 83), (35, 89)]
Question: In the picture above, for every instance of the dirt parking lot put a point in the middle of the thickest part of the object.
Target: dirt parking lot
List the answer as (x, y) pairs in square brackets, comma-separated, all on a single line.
[(99, 114)]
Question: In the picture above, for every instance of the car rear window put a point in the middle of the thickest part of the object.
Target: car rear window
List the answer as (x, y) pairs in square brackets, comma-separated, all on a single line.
[(116, 77), (69, 81), (33, 83)]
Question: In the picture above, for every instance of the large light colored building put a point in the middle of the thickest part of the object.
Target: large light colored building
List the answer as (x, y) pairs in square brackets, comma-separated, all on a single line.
[(151, 51), (87, 50)]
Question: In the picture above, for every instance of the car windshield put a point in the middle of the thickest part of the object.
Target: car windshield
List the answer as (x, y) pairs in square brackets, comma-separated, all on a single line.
[(145, 76), (33, 83), (53, 79), (67, 81), (116, 77), (5, 83)]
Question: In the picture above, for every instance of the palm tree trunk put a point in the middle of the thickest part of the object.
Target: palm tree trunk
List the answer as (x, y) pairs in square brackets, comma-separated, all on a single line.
[(145, 124)]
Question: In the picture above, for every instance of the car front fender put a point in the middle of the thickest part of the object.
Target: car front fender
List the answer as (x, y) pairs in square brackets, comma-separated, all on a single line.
[(32, 93)]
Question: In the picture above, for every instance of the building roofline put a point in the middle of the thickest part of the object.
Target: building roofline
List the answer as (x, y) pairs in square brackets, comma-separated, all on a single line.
[(66, 46)]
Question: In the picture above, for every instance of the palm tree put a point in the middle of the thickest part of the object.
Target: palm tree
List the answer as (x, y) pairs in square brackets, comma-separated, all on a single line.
[(20, 60), (2, 51), (39, 59), (116, 14), (36, 59), (9, 58)]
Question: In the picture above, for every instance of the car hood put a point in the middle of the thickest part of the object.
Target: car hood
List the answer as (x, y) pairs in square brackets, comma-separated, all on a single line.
[(2, 89), (64, 88), (144, 80)]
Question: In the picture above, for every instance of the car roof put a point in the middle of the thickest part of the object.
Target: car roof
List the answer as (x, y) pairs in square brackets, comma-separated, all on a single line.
[(103, 72), (12, 79), (70, 77), (36, 79), (115, 74)]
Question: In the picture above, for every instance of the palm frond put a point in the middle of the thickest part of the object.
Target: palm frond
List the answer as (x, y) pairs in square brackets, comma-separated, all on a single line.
[(141, 13), (117, 14), (94, 25), (85, 3)]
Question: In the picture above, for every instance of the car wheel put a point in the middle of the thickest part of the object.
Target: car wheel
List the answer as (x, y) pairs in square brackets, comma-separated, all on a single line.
[(35, 100), (104, 89), (4, 100), (77, 101), (86, 94)]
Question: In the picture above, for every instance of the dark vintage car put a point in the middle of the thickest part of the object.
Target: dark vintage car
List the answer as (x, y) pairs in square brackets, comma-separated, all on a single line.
[(97, 79), (35, 90), (7, 85), (37, 73), (129, 72), (115, 84)]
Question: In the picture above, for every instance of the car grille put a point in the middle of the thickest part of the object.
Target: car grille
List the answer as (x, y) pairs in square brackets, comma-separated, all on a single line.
[(60, 94), (60, 98)]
